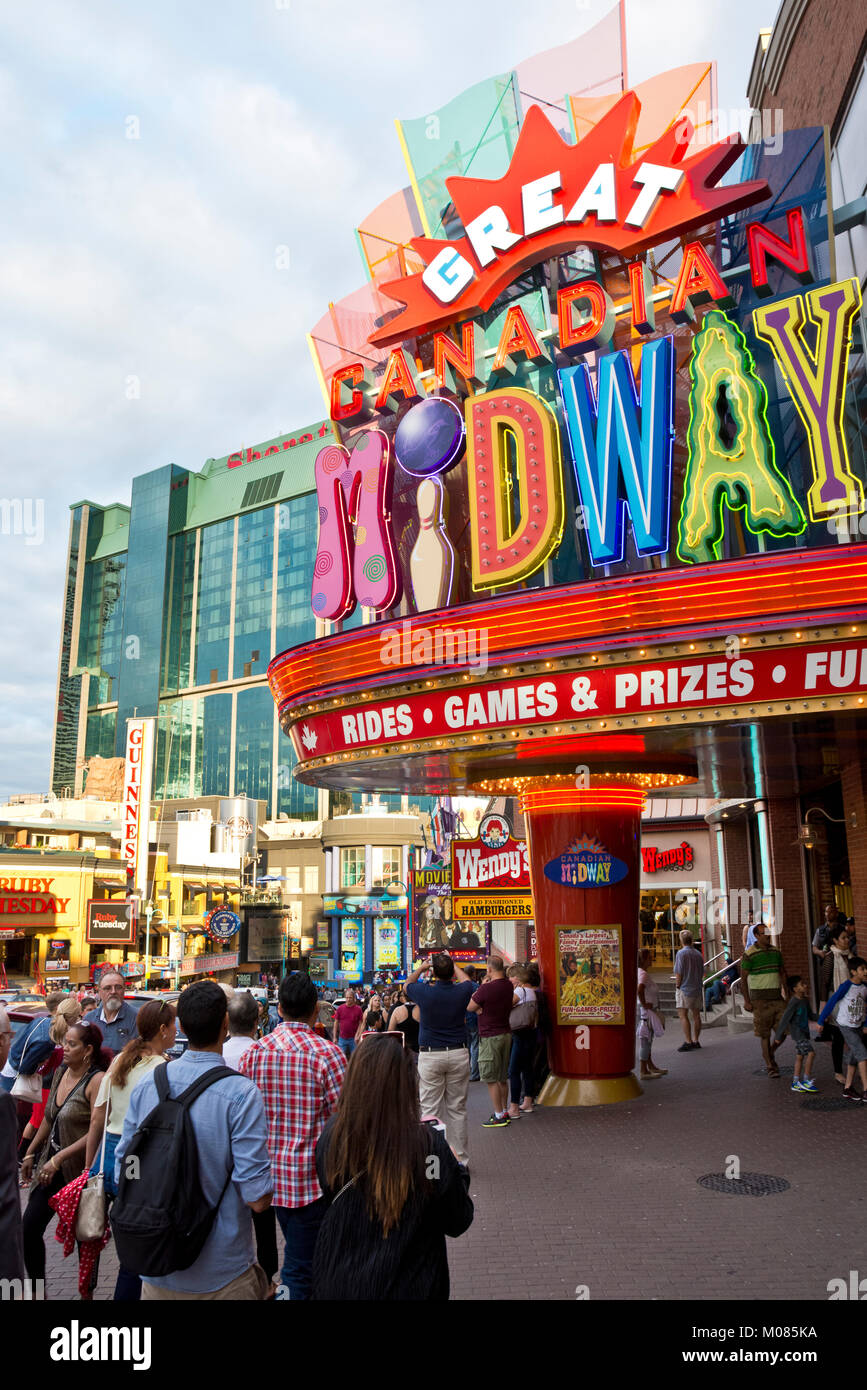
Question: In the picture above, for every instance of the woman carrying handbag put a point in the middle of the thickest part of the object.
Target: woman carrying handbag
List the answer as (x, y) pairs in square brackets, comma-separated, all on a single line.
[(67, 1012), (58, 1149)]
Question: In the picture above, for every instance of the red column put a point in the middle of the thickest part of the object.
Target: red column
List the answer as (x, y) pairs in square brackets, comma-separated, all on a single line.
[(585, 871)]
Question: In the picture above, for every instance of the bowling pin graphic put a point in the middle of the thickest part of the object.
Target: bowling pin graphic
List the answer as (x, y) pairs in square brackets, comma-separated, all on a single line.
[(432, 561)]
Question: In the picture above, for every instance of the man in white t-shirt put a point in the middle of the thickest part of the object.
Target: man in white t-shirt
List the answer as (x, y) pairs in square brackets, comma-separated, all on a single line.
[(243, 1022)]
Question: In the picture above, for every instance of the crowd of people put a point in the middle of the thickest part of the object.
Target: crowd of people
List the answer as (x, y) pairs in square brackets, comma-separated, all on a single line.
[(355, 1145), (345, 1129)]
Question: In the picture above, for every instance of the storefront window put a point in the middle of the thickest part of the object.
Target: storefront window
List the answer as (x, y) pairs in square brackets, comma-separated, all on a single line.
[(352, 867), (663, 915)]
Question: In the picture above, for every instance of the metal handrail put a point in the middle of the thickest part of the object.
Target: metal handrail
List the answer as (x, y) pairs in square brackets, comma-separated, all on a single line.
[(708, 979), (735, 991), (734, 984), (716, 957)]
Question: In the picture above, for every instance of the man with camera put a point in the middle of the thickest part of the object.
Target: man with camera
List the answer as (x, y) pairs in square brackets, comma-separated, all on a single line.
[(443, 1061)]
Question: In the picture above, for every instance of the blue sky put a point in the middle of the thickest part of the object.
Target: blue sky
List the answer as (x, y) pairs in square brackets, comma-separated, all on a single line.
[(261, 124)]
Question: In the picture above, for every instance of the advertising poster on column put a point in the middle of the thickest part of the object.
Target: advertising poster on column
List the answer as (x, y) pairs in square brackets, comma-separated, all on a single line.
[(590, 976)]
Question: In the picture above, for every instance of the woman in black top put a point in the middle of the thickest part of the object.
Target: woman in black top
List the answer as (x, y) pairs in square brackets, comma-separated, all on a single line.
[(394, 1189), (405, 1018)]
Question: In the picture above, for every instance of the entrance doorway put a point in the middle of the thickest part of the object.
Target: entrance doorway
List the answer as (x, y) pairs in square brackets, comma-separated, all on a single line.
[(661, 920), (16, 951)]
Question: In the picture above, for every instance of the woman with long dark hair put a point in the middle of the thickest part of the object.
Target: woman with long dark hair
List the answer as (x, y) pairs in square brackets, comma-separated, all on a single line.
[(393, 1186), (58, 1148)]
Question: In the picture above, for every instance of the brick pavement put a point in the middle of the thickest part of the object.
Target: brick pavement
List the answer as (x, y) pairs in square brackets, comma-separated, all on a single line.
[(607, 1197)]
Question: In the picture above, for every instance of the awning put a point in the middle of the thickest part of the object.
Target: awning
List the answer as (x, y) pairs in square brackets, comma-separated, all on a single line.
[(195, 887), (116, 885), (232, 887)]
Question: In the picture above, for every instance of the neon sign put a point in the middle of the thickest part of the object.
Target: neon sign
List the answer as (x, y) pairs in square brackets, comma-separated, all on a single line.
[(448, 383), (553, 196), (739, 471), (816, 380), (609, 444)]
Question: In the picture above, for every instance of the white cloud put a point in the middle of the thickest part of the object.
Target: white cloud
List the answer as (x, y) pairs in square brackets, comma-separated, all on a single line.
[(260, 126)]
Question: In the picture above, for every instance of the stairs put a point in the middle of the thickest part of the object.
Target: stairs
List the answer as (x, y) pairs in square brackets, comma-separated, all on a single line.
[(666, 997), (719, 1016)]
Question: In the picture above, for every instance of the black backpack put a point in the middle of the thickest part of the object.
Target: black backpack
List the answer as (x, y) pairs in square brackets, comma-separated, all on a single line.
[(161, 1218)]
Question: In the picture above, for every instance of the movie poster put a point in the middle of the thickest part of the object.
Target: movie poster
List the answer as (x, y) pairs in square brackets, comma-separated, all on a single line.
[(590, 975), (433, 922)]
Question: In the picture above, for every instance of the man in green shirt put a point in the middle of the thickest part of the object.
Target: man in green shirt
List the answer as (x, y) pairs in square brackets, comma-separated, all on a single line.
[(763, 979)]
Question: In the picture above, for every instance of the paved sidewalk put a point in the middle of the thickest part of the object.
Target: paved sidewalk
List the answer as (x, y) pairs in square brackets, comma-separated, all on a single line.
[(608, 1197)]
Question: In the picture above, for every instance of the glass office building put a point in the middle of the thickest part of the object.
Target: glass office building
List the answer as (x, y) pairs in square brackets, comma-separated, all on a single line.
[(174, 607)]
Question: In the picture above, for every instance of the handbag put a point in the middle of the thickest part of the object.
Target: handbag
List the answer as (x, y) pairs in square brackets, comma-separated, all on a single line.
[(27, 1086), (91, 1218), (523, 1015)]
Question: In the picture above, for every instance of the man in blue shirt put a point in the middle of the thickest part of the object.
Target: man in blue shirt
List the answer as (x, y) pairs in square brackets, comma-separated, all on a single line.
[(443, 1062), (115, 1017), (231, 1132)]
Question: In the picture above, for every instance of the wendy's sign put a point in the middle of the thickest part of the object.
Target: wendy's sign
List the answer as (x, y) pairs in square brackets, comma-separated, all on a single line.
[(655, 860)]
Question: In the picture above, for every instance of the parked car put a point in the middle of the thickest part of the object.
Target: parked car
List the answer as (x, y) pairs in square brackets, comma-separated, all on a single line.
[(22, 1014)]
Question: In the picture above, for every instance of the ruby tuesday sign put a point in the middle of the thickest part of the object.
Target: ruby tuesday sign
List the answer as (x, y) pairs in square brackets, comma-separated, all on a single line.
[(640, 690), (614, 429)]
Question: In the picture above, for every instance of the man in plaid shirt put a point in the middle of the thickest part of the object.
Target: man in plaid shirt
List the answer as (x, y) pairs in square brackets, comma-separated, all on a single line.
[(300, 1075)]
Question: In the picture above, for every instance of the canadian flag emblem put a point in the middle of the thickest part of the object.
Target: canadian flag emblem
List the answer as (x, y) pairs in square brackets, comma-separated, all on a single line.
[(308, 738)]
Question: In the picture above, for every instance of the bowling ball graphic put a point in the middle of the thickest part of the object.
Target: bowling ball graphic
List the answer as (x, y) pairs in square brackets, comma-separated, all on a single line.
[(429, 438)]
